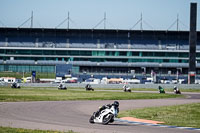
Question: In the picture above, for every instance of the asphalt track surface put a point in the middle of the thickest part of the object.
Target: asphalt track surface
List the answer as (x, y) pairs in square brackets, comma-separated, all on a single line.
[(74, 115)]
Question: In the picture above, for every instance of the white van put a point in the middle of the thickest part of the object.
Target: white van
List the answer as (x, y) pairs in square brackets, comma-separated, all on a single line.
[(9, 79), (92, 81)]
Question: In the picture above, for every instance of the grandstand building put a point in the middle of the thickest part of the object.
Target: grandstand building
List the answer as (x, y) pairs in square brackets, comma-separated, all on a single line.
[(96, 51)]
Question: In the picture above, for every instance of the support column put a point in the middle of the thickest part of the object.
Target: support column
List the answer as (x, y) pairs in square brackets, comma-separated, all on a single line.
[(192, 42)]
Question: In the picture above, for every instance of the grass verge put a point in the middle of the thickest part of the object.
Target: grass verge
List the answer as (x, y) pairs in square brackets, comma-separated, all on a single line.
[(14, 95), (187, 115), (144, 89), (21, 130)]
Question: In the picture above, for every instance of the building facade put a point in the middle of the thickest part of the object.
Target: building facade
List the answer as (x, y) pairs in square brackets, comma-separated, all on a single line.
[(107, 52)]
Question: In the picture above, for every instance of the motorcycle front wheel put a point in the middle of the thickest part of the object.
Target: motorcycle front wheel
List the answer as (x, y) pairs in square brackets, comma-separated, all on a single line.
[(107, 119)]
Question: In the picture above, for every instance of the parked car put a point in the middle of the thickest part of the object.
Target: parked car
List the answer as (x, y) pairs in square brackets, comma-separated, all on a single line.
[(70, 80), (174, 81), (182, 81), (132, 81), (92, 81), (165, 81)]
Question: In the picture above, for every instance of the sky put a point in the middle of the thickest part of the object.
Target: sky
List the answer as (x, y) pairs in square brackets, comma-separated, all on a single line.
[(86, 14)]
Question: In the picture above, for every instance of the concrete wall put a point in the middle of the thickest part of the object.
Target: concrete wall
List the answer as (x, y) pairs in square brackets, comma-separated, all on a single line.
[(118, 86)]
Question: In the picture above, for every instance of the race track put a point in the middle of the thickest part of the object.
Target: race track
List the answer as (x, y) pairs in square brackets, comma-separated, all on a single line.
[(74, 115)]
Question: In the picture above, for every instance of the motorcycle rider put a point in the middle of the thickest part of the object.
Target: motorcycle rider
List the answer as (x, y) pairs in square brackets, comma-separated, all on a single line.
[(176, 90), (126, 88), (15, 85), (161, 90), (116, 104), (88, 87), (62, 86)]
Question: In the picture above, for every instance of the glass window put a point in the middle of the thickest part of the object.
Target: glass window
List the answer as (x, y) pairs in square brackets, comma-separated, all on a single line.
[(61, 52), (36, 52), (2, 51), (171, 54), (129, 53), (49, 52), (94, 53), (147, 54), (85, 53), (74, 53), (165, 60), (101, 53), (1, 67), (197, 54), (173, 60), (24, 52), (159, 54), (135, 53), (10, 51), (110, 53), (122, 53), (116, 53), (183, 55)]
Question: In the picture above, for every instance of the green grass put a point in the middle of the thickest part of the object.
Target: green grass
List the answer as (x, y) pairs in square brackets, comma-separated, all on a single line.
[(9, 94), (147, 89), (133, 89), (187, 115), (21, 130), (143, 89)]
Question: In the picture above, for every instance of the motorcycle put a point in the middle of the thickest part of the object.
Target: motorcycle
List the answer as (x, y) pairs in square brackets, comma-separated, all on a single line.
[(176, 90), (62, 87), (126, 88), (15, 85), (106, 116), (88, 87), (161, 90)]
